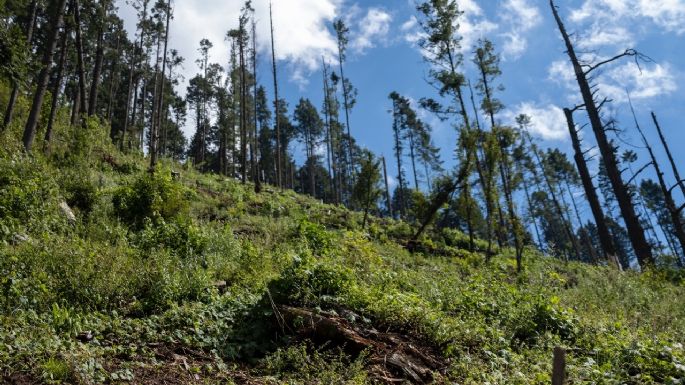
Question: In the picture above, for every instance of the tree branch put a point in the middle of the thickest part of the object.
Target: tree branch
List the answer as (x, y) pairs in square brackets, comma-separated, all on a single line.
[(678, 183), (628, 52), (638, 172)]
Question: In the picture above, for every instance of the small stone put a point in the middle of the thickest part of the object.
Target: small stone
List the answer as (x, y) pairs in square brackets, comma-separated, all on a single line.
[(86, 336), (19, 238), (68, 213)]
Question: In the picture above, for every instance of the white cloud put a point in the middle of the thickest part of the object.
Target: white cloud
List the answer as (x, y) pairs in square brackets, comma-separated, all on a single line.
[(302, 30), (644, 82), (409, 24), (520, 18), (373, 28), (666, 14), (473, 25), (547, 121), (611, 36), (650, 82)]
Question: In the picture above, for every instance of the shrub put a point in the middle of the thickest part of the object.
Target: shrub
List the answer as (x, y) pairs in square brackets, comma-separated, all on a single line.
[(27, 195), (180, 236), (153, 196), (307, 282), (320, 241)]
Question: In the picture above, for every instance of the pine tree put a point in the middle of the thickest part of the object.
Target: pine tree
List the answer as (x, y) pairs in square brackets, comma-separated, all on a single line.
[(592, 107)]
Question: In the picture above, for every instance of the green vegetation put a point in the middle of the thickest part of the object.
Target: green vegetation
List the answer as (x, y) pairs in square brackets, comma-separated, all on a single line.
[(179, 280)]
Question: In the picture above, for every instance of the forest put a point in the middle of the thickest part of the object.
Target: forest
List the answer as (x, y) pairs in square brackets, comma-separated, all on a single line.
[(269, 246)]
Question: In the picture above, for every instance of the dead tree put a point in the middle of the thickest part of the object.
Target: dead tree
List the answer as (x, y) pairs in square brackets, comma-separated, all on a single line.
[(680, 181), (636, 232), (605, 238), (671, 207)]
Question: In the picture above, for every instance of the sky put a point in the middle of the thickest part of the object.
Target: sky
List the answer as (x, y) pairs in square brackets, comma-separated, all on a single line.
[(384, 56)]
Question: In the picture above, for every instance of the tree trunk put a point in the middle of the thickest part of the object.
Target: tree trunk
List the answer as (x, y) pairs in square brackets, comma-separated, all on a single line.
[(398, 154), (635, 230), (99, 58), (44, 76), (553, 195), (413, 158), (605, 238), (81, 67), (279, 172), (156, 97), (679, 180), (57, 87), (387, 188), (15, 85), (678, 228), (255, 156)]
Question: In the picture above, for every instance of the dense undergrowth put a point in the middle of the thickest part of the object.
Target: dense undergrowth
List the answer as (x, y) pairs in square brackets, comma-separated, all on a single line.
[(199, 265)]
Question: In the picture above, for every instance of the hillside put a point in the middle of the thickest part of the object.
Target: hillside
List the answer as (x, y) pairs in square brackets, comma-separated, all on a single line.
[(179, 277)]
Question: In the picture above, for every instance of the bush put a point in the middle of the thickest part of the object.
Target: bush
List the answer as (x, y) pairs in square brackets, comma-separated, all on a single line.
[(180, 236), (27, 196), (320, 241), (151, 196), (307, 282)]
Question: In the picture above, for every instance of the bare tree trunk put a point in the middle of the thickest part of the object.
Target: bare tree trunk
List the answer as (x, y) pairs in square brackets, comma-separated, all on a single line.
[(243, 106), (255, 148), (161, 109), (680, 181), (129, 95), (553, 195), (679, 230), (635, 230), (605, 238), (279, 172), (113, 85), (15, 85), (57, 87), (152, 146), (81, 71), (75, 105), (44, 76), (99, 58), (387, 189), (327, 121)]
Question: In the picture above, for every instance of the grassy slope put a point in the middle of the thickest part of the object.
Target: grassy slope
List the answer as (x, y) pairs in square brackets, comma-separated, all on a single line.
[(150, 290)]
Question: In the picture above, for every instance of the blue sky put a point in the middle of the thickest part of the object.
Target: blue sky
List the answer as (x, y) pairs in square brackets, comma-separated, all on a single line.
[(384, 57)]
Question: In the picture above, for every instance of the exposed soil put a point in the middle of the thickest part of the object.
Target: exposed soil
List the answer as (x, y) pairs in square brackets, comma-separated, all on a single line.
[(392, 358)]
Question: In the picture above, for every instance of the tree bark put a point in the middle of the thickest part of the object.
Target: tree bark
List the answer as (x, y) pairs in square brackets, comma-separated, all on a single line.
[(279, 171), (44, 76), (605, 238), (57, 87), (255, 156), (676, 173), (635, 230), (15, 85), (99, 58), (387, 189), (678, 228), (81, 67)]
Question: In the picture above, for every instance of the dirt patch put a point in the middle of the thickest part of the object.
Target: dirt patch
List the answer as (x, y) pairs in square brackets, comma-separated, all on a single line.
[(392, 358), (178, 365)]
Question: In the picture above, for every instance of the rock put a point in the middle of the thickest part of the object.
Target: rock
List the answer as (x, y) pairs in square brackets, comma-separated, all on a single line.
[(68, 213), (19, 238), (85, 336)]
